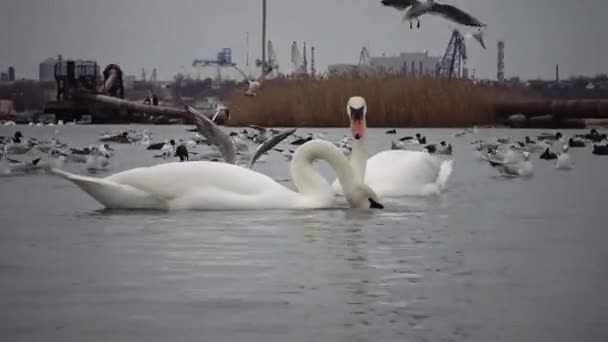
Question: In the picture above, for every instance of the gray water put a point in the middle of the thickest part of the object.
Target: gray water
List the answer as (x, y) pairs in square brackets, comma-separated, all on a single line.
[(490, 260)]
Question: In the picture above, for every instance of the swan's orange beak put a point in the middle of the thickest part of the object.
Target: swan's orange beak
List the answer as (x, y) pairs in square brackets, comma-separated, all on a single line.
[(356, 128), (356, 122)]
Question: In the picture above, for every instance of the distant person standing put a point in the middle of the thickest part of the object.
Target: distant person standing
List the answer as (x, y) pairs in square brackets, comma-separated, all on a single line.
[(154, 100)]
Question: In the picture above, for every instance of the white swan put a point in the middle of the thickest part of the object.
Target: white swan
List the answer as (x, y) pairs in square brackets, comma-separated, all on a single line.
[(222, 186), (393, 173)]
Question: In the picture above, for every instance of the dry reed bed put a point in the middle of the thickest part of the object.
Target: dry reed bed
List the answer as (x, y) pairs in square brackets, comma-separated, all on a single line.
[(392, 102)]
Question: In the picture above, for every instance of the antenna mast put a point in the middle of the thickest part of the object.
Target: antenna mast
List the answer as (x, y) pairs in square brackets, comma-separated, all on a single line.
[(305, 59), (313, 69), (247, 43), (263, 37)]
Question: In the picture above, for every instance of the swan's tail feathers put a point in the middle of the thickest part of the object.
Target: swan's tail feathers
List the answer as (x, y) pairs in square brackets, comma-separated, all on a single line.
[(444, 173), (110, 194)]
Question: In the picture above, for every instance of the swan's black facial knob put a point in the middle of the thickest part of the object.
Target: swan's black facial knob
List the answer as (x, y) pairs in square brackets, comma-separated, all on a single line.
[(374, 205)]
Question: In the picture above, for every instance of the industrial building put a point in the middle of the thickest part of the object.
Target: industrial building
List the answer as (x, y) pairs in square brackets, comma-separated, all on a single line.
[(406, 63), (342, 69), (8, 76), (47, 69), (413, 63)]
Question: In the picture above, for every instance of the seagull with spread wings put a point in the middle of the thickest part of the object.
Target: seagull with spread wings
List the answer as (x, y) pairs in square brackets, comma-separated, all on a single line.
[(253, 84), (216, 136), (416, 9)]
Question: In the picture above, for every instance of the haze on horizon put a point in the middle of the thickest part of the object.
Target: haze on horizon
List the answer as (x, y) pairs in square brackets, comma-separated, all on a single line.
[(169, 35)]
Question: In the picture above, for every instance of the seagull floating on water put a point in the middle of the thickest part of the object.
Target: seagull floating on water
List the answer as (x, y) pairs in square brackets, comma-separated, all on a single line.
[(521, 168), (563, 161)]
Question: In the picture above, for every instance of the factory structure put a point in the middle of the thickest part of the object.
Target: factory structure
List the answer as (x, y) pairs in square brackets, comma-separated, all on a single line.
[(46, 71), (500, 74), (8, 76), (406, 63), (452, 64)]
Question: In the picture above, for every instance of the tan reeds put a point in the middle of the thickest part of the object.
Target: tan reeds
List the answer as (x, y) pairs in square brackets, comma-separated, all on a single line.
[(392, 102)]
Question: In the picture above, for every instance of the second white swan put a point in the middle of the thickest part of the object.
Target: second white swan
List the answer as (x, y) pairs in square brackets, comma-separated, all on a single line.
[(392, 173)]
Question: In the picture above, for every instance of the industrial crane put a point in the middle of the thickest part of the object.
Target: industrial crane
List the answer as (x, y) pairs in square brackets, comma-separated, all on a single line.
[(364, 58), (455, 57), (272, 64), (298, 60), (454, 61)]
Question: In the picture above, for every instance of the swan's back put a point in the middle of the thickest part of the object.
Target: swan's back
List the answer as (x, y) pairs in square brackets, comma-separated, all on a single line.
[(175, 179), (405, 173), (416, 166)]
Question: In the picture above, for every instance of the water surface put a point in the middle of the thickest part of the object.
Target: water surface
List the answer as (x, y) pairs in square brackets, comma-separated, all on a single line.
[(490, 260)]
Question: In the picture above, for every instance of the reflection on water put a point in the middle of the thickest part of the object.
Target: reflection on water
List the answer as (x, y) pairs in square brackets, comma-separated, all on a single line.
[(490, 260)]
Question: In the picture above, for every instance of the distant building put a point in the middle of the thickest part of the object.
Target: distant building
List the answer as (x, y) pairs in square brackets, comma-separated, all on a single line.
[(11, 73), (47, 70), (3, 76), (82, 67), (416, 63), (413, 63), (342, 69)]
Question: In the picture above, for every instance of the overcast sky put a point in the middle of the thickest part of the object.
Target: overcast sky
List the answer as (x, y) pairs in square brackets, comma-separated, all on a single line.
[(169, 34)]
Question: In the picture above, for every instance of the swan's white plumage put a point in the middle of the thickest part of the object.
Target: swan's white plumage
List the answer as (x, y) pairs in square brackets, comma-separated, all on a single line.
[(192, 185), (395, 173), (220, 186)]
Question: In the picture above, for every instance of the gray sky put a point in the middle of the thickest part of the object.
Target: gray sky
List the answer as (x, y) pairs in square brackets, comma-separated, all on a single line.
[(167, 34)]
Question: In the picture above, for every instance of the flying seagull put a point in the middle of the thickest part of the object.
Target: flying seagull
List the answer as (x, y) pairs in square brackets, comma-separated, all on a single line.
[(253, 85), (270, 143), (215, 136), (402, 5), (416, 9)]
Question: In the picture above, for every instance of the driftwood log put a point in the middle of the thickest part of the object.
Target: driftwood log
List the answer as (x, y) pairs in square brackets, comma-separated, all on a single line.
[(166, 111), (560, 109), (116, 103)]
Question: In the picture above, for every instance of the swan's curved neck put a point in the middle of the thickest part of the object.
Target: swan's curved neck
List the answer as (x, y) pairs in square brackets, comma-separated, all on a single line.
[(358, 157), (308, 181)]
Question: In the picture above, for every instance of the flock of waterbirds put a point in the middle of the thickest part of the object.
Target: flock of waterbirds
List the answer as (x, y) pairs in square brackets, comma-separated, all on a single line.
[(411, 166)]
